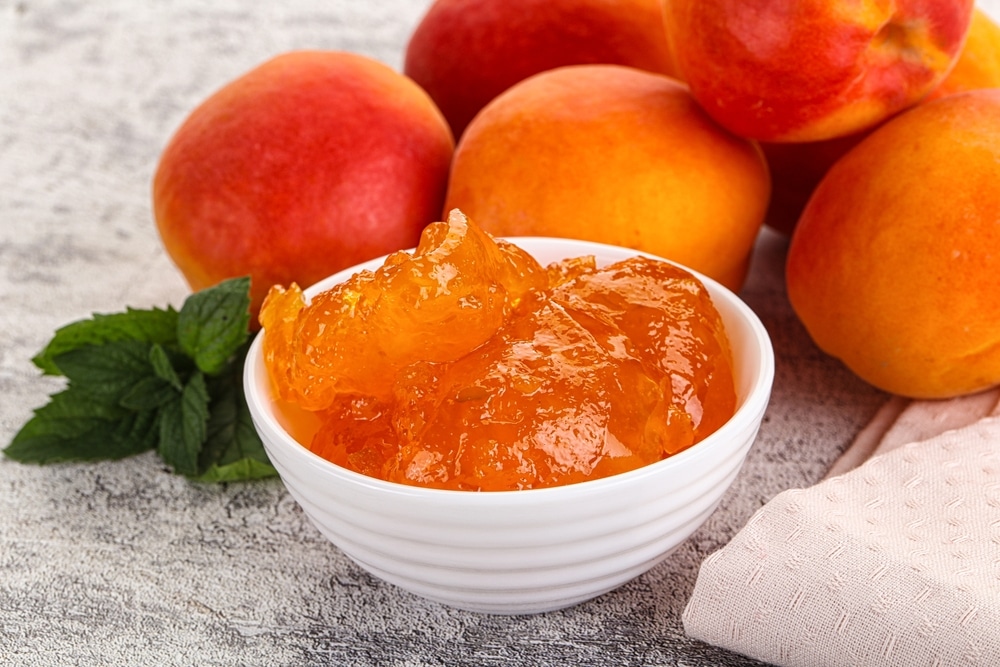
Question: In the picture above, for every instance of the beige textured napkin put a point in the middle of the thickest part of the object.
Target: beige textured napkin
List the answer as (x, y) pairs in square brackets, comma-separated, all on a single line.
[(891, 560)]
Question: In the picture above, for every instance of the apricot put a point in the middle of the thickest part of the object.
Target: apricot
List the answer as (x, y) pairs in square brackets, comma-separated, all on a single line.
[(797, 168), (978, 63), (310, 163), (466, 52), (893, 266), (615, 155), (812, 69)]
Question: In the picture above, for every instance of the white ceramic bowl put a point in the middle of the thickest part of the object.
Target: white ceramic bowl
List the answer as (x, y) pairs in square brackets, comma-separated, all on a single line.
[(517, 552)]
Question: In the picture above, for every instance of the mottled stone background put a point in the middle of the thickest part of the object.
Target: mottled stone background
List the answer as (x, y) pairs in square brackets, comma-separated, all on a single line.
[(124, 564)]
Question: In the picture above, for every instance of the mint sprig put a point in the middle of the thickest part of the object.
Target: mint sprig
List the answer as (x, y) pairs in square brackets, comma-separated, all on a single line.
[(152, 379)]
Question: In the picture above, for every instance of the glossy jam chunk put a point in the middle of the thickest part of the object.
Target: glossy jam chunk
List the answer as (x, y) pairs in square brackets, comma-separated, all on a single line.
[(560, 376), (436, 304), (663, 316)]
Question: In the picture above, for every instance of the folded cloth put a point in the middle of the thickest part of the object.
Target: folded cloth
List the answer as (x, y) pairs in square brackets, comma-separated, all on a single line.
[(893, 560), (901, 421)]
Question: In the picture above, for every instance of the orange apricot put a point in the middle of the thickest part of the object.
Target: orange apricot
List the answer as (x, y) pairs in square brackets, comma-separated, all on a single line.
[(893, 266), (310, 163), (615, 155)]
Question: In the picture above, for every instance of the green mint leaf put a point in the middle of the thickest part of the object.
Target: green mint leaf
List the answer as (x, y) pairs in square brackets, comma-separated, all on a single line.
[(163, 367), (233, 451), (74, 427), (212, 324), (153, 379), (241, 470), (149, 393), (108, 371), (183, 427), (152, 326)]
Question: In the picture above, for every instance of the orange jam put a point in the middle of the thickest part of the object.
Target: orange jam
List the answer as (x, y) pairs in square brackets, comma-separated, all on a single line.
[(466, 365)]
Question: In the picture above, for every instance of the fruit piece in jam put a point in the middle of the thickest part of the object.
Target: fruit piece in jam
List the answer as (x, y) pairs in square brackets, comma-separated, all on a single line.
[(557, 376), (663, 316), (436, 304)]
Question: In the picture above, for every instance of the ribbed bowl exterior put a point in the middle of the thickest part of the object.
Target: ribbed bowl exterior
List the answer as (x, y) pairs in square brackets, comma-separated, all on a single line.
[(519, 552)]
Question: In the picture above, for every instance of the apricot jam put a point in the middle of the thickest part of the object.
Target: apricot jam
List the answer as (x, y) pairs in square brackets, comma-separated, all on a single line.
[(466, 365)]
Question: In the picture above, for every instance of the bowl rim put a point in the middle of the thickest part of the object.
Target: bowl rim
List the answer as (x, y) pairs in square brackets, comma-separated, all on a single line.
[(749, 411)]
